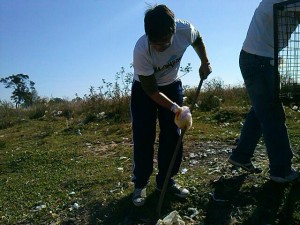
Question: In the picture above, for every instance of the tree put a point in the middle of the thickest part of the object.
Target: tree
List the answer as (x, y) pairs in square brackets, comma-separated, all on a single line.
[(24, 91)]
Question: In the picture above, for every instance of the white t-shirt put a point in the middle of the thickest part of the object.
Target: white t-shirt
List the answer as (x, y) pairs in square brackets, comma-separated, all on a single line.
[(164, 65), (260, 35)]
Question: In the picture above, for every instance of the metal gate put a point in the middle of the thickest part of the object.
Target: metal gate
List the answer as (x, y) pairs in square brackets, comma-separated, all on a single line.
[(287, 51)]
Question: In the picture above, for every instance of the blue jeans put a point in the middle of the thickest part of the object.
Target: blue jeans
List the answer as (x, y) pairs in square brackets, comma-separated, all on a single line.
[(144, 114), (266, 117)]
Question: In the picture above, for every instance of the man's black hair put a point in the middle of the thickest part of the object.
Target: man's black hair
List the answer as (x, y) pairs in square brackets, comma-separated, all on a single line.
[(159, 21)]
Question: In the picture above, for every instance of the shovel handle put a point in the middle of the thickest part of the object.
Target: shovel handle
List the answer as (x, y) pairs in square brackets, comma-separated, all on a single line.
[(168, 175)]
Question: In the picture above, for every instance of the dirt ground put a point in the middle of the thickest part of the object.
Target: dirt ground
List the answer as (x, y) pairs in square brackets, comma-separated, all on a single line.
[(221, 194)]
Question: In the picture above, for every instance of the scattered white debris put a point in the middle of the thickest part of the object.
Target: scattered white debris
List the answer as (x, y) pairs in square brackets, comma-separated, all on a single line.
[(193, 162), (172, 219), (120, 169), (72, 193), (192, 155), (194, 212), (75, 206), (56, 113), (88, 144), (118, 188), (40, 207), (184, 170), (101, 115)]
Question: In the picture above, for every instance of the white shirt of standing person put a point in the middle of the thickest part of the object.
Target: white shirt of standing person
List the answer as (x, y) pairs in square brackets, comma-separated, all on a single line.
[(164, 65), (260, 35)]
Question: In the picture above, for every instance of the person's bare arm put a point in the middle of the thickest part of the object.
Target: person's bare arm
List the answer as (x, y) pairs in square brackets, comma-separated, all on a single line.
[(199, 48), (183, 117), (149, 85)]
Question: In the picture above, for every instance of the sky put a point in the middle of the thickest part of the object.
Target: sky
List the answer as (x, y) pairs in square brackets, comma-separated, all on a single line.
[(67, 46)]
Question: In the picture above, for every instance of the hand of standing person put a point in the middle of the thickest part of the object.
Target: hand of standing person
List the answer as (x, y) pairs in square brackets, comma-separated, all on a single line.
[(183, 116), (204, 70)]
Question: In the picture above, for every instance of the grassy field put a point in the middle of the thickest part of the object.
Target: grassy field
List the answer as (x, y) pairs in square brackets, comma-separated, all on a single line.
[(63, 170)]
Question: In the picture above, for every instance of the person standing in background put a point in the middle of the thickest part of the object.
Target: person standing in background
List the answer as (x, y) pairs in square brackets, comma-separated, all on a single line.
[(266, 116)]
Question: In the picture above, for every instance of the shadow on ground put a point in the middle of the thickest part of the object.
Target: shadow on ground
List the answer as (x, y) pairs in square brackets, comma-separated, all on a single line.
[(219, 208), (270, 203), (123, 212)]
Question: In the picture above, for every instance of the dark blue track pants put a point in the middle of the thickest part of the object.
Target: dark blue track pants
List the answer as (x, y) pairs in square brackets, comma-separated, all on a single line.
[(144, 114)]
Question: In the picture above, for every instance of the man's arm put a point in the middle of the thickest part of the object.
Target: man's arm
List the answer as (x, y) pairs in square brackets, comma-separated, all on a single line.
[(199, 48), (149, 85)]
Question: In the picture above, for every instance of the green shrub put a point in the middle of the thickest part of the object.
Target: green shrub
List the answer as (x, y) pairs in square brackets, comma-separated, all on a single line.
[(36, 111), (209, 101), (235, 95), (8, 114), (230, 114)]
